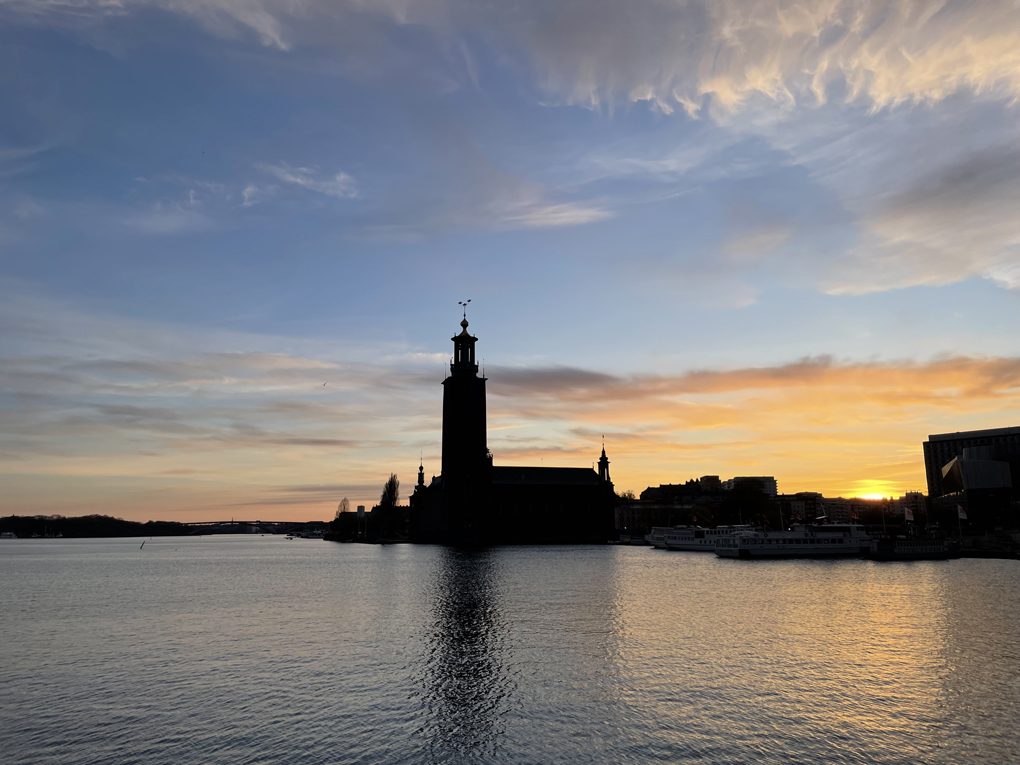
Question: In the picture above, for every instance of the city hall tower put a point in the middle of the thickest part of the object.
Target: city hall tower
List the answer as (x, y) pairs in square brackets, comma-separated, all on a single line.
[(466, 464)]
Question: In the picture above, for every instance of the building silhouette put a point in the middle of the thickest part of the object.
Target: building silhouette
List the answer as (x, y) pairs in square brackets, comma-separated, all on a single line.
[(475, 501), (766, 483), (998, 444), (978, 472)]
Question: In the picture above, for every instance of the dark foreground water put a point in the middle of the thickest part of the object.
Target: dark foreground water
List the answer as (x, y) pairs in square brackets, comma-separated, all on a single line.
[(264, 650)]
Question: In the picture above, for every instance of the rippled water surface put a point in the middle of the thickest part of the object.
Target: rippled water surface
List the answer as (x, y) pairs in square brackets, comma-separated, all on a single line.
[(265, 650)]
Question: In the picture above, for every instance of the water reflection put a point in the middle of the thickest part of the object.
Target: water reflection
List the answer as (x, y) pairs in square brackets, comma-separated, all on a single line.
[(466, 684), (256, 651), (979, 702)]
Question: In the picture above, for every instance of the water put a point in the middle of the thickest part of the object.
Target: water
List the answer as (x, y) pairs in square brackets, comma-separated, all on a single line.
[(264, 650)]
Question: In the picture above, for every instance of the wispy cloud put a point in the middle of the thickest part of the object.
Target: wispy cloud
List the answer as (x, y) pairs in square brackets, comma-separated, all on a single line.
[(886, 52), (462, 188), (723, 54), (936, 382), (249, 195), (959, 220), (192, 416), (339, 185)]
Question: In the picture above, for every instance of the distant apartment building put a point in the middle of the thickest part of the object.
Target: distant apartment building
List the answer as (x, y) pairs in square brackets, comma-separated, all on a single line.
[(857, 509), (803, 506), (682, 493), (710, 483), (843, 510), (766, 483), (915, 502), (635, 519)]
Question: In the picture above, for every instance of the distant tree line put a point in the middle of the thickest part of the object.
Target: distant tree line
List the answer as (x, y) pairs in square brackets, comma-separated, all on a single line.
[(88, 526), (85, 526)]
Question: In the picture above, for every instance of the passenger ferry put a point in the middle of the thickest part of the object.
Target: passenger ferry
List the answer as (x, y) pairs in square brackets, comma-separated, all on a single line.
[(802, 541), (698, 539)]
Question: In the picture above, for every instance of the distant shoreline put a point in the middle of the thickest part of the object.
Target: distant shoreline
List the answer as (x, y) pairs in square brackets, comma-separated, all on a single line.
[(102, 526)]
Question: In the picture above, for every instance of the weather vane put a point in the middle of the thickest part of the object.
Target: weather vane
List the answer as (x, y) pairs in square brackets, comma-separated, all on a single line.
[(464, 304)]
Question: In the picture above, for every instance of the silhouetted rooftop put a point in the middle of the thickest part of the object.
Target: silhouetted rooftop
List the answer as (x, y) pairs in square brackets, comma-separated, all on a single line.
[(545, 475), (975, 434)]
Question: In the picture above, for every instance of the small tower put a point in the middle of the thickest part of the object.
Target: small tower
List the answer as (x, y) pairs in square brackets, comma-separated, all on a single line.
[(421, 475), (604, 466)]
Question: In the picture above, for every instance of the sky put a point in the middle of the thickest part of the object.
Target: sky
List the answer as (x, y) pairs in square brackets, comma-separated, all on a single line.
[(733, 237)]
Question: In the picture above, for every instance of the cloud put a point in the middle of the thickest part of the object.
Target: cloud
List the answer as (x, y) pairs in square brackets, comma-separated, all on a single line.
[(938, 382), (340, 185), (533, 215), (726, 53), (827, 81), (461, 188), (190, 419), (960, 220), (675, 55)]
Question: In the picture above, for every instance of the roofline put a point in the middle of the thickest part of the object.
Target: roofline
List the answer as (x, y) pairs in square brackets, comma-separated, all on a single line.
[(975, 434), (542, 467)]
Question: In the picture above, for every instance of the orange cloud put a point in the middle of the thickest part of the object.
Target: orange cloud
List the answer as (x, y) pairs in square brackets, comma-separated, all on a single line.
[(817, 424)]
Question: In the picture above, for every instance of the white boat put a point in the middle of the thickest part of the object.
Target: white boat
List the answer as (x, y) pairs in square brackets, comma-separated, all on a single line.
[(8, 535), (802, 541), (657, 537), (697, 539)]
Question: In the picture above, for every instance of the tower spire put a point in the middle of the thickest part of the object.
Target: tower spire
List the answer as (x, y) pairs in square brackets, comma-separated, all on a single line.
[(604, 464)]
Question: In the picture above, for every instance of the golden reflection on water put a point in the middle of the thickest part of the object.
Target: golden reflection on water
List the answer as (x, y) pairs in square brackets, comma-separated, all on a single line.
[(835, 651), (979, 699), (651, 655)]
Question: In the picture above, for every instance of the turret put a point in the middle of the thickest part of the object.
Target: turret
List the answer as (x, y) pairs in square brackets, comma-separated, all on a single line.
[(464, 352)]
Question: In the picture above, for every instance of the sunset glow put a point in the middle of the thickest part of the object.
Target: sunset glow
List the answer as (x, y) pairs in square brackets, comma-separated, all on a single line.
[(733, 238)]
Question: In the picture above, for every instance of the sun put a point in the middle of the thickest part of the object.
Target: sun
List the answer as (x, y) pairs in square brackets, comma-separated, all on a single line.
[(875, 488)]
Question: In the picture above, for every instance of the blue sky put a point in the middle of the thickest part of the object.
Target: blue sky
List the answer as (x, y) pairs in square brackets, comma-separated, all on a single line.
[(735, 237)]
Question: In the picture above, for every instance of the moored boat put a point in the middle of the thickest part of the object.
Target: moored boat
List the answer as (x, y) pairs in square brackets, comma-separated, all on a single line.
[(802, 541), (696, 539), (657, 536), (913, 549)]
